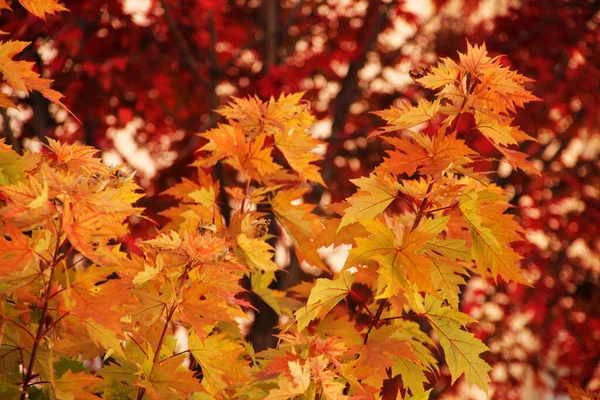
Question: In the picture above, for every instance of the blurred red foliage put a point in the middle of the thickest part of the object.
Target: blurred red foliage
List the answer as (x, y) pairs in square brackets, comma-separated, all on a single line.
[(160, 71)]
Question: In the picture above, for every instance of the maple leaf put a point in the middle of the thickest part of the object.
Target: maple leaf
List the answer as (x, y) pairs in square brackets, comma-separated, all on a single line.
[(13, 167), (446, 272), (446, 72), (220, 360), (400, 264), (202, 310), (13, 70), (40, 8), (376, 192), (494, 130), (168, 380), (205, 197), (20, 196), (492, 232), (256, 253), (331, 389), (75, 157), (461, 349), (183, 189), (261, 159), (379, 353), (298, 385), (75, 386), (411, 374), (282, 114), (86, 293), (298, 149), (300, 224), (407, 116), (20, 74), (433, 156), (323, 297), (503, 89), (476, 60), (519, 160), (15, 254)]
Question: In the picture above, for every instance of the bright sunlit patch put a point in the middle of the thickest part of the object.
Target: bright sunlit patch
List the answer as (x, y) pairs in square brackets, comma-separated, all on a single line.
[(138, 9)]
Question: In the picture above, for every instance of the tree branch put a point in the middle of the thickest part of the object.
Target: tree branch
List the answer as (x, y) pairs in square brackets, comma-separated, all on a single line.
[(184, 46)]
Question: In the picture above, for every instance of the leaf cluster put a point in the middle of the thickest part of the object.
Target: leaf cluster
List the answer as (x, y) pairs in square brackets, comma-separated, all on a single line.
[(164, 319)]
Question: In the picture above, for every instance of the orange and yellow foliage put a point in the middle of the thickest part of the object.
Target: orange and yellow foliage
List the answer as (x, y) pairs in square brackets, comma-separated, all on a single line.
[(69, 291)]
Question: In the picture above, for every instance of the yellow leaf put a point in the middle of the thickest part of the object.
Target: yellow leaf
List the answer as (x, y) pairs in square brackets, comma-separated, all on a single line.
[(445, 72), (397, 253), (72, 386), (497, 132), (298, 148), (407, 116), (461, 349), (14, 70), (298, 385), (323, 297), (476, 59), (257, 253), (220, 360), (203, 196), (376, 192), (492, 232), (301, 225)]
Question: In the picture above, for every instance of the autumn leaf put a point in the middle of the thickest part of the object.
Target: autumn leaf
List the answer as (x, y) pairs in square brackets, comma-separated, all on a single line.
[(397, 254), (298, 385), (446, 72), (40, 8), (15, 254), (323, 297), (432, 156), (407, 116), (492, 232), (376, 192), (168, 380), (298, 148), (220, 360), (301, 225), (75, 386), (380, 352), (411, 374), (461, 349), (256, 253), (20, 74)]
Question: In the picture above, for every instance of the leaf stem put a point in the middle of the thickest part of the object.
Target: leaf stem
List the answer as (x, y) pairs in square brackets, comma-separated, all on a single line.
[(421, 208), (376, 320), (170, 313), (363, 306), (40, 334), (40, 331)]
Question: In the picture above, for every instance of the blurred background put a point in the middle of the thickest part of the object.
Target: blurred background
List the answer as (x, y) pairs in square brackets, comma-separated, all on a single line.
[(143, 76)]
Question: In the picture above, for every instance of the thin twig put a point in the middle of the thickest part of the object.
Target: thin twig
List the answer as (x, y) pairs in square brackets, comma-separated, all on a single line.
[(184, 46), (170, 313), (41, 321)]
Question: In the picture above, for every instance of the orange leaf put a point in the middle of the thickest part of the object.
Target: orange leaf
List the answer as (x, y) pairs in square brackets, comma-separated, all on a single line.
[(40, 8)]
